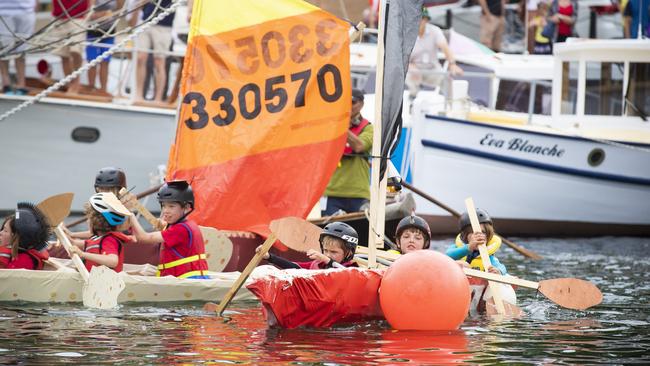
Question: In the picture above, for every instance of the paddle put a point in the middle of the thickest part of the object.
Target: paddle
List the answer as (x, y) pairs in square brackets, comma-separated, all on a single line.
[(138, 196), (570, 293), (485, 256), (519, 249), (102, 285), (56, 208), (133, 199)]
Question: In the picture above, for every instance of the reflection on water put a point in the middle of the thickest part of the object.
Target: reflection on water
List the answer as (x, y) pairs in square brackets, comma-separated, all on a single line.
[(614, 332)]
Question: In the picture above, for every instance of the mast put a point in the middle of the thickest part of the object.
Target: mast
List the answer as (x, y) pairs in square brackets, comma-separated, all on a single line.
[(377, 217)]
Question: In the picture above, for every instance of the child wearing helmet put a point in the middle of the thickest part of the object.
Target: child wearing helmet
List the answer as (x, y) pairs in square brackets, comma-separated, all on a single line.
[(183, 252), (412, 233), (338, 243), (108, 179), (24, 238), (106, 215), (465, 249)]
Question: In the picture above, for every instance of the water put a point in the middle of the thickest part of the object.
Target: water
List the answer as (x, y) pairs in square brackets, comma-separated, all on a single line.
[(616, 332)]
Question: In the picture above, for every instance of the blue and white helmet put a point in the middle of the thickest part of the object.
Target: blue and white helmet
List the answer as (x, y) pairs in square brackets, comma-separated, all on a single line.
[(107, 204)]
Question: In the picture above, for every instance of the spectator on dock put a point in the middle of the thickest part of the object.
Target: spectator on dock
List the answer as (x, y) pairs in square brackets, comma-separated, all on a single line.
[(157, 38), (349, 188), (543, 45), (564, 14), (18, 19), (637, 16), (70, 32), (424, 67), (492, 23), (101, 39)]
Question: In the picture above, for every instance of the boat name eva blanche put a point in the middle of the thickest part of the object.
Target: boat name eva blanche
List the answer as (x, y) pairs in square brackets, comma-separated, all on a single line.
[(523, 145)]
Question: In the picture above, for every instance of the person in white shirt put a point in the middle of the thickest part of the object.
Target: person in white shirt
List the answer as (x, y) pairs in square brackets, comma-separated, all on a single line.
[(19, 17)]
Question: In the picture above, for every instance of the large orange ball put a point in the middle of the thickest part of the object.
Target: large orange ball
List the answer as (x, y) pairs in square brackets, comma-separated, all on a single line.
[(424, 290)]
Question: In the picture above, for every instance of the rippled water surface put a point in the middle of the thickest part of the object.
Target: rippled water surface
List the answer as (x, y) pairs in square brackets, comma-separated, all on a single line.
[(616, 332)]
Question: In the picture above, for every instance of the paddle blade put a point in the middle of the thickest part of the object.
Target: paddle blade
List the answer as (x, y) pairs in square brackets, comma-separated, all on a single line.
[(56, 208), (571, 293), (218, 248), (296, 233), (103, 288)]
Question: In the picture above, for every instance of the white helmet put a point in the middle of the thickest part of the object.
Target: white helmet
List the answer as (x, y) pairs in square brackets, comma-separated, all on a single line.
[(110, 207)]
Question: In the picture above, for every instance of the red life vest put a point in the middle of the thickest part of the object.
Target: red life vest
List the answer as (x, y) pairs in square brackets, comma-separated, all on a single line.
[(95, 245), (5, 256), (356, 130), (192, 264)]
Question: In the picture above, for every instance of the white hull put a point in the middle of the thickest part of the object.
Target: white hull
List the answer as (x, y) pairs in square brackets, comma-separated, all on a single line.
[(39, 158), (554, 182)]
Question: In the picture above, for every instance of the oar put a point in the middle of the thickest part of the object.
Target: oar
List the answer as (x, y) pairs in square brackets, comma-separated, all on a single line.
[(485, 256), (138, 196), (289, 234), (151, 219), (528, 253), (102, 285), (570, 293), (56, 208)]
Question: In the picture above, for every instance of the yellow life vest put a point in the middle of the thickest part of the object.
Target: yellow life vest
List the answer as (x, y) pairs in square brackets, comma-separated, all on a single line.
[(492, 246)]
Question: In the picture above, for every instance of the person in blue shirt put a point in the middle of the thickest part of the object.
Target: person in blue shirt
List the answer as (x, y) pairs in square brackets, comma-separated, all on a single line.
[(637, 12), (465, 249)]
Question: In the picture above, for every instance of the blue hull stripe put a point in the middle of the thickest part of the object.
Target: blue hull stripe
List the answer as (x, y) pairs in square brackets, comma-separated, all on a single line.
[(536, 165), (503, 128)]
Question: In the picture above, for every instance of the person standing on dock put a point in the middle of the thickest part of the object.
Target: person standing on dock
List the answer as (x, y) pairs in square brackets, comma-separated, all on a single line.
[(349, 188), (69, 31), (493, 23), (19, 17)]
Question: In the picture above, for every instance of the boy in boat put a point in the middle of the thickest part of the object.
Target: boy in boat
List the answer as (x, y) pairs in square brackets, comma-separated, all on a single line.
[(108, 179), (465, 249), (183, 252), (412, 233), (338, 243), (24, 237), (106, 216)]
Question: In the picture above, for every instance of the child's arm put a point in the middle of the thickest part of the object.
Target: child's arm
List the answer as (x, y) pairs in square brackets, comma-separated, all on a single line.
[(498, 265), (457, 252), (108, 260), (277, 261), (142, 236)]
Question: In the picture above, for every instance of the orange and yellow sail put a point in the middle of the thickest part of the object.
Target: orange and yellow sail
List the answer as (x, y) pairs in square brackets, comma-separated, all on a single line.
[(265, 110)]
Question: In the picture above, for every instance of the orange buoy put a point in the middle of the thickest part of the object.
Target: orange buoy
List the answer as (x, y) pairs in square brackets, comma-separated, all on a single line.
[(424, 290)]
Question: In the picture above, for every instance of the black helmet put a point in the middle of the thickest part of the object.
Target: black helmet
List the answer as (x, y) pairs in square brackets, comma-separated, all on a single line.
[(344, 232), (110, 177), (176, 191), (416, 222), (32, 227), (483, 218)]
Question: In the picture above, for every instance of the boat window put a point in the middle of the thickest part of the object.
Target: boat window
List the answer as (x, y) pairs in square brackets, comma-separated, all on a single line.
[(514, 96), (604, 88), (85, 134), (569, 87), (638, 90)]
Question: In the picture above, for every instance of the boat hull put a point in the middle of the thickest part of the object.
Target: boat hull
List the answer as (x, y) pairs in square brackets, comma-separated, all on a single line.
[(521, 175)]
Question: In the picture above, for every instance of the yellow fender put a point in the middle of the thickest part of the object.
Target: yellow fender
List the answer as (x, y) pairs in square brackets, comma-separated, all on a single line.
[(492, 246)]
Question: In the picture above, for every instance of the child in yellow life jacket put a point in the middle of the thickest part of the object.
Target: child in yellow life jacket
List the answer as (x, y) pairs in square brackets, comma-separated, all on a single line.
[(338, 243), (412, 233), (24, 238), (108, 179), (466, 247), (106, 215), (182, 253)]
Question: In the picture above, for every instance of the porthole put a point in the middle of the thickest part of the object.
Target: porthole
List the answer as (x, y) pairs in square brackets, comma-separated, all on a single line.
[(85, 134), (596, 157)]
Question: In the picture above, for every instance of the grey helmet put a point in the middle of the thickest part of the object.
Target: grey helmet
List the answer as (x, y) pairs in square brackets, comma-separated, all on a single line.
[(483, 218), (416, 222), (110, 177), (344, 232), (31, 226), (176, 191)]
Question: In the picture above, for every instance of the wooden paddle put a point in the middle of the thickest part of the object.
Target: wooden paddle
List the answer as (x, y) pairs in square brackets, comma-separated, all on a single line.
[(293, 232), (528, 253), (56, 208), (151, 219), (570, 293), (485, 256), (102, 285)]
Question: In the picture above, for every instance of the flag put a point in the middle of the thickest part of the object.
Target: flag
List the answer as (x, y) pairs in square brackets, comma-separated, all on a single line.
[(402, 22), (265, 111)]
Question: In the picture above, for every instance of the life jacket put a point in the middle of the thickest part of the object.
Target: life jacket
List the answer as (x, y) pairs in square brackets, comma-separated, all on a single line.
[(38, 257), (356, 130), (5, 256), (492, 246), (173, 263), (95, 245)]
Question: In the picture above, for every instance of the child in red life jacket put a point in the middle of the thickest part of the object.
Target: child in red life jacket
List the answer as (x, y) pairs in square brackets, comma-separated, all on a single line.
[(338, 243), (108, 179), (182, 253), (25, 233), (106, 215), (6, 238)]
